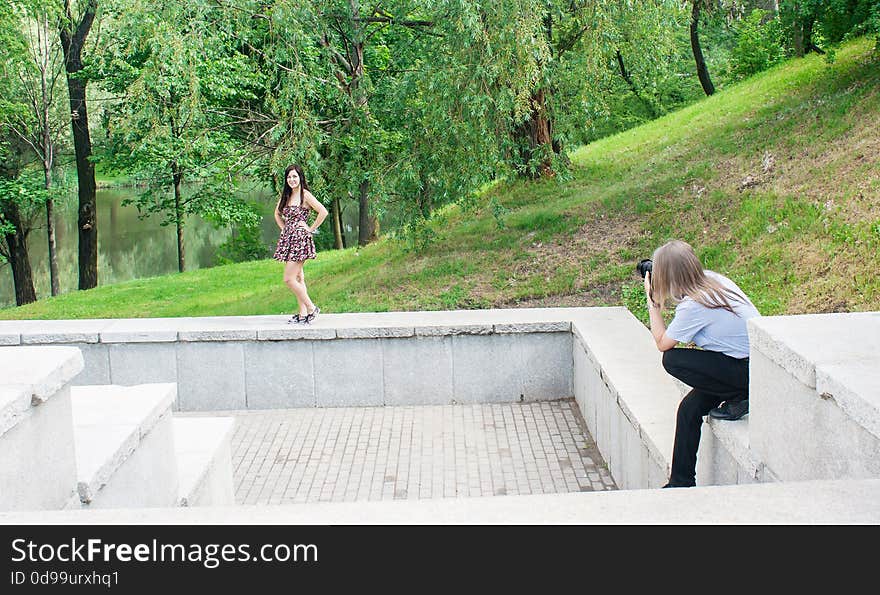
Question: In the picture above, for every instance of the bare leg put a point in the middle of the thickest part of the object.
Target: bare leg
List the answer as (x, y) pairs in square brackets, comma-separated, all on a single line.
[(294, 279), (310, 305)]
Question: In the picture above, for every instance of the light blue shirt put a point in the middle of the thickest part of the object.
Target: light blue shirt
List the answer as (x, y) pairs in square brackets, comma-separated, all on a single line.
[(714, 329)]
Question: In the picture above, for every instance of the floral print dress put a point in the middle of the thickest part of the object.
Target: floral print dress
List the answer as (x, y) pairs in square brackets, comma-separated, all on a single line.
[(294, 243)]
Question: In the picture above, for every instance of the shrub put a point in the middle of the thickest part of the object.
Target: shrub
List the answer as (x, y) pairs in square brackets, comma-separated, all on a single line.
[(759, 45), (245, 243)]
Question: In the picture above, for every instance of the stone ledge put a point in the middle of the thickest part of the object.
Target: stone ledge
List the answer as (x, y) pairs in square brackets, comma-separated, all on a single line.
[(42, 332), (855, 387), (453, 329), (55, 338), (15, 405), (197, 441), (275, 328), (109, 424), (621, 349), (140, 405), (563, 326), (854, 502), (44, 371), (375, 332), (292, 333), (216, 335), (10, 339), (141, 330), (114, 338), (792, 342)]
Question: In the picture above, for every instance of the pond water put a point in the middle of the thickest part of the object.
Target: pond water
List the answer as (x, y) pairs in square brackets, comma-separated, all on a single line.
[(132, 248)]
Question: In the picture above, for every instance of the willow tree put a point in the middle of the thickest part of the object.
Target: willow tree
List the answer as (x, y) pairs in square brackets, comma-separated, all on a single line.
[(330, 64), (533, 57), (276, 122), (368, 49), (169, 69)]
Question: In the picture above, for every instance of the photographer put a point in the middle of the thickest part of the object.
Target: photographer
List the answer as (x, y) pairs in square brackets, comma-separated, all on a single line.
[(710, 311)]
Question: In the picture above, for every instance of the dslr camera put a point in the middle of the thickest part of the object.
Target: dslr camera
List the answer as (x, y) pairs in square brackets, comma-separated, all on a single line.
[(644, 267)]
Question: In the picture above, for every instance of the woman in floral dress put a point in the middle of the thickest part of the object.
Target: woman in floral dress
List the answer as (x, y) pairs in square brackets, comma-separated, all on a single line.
[(296, 244)]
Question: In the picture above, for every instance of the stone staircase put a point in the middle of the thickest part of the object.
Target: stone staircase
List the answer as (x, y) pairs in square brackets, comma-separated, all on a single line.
[(101, 446)]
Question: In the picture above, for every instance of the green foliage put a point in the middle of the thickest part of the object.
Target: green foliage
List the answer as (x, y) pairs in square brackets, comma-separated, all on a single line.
[(417, 104), (804, 239), (499, 211), (245, 243), (174, 69), (759, 45), (633, 297), (828, 22), (841, 19), (416, 235), (454, 297), (26, 190)]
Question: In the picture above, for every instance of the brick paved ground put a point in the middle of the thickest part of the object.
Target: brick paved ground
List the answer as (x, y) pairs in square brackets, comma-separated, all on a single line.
[(382, 453)]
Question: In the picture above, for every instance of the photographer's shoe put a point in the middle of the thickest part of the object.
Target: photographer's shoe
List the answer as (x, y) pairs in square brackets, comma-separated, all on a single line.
[(730, 411)]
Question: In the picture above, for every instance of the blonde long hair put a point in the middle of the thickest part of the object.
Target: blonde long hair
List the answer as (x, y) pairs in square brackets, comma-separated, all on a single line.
[(677, 273)]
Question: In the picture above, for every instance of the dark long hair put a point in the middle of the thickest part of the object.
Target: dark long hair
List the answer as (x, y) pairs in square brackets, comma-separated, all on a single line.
[(286, 190)]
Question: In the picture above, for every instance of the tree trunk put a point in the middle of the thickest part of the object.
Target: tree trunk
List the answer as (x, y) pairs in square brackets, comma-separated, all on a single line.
[(338, 235), (368, 225), (536, 139), (72, 44), (86, 187), (803, 38), (22, 277), (797, 40), (702, 70), (178, 219), (423, 198), (50, 231), (48, 151)]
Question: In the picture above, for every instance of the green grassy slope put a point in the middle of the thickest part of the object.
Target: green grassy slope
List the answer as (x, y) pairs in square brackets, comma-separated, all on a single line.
[(776, 183)]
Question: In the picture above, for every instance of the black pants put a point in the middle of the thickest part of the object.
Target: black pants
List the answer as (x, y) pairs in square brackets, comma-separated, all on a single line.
[(714, 377)]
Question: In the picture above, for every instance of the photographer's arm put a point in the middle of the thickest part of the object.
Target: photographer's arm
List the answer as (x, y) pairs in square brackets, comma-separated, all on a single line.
[(658, 326)]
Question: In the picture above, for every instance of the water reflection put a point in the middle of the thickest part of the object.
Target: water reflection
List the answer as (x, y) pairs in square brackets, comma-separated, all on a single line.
[(128, 247), (132, 248)]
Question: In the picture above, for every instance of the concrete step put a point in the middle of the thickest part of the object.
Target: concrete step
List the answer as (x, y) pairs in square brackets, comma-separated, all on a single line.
[(204, 460), (124, 445), (37, 465)]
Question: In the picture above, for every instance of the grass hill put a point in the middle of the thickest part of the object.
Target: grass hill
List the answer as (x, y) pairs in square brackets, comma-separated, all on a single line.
[(775, 181)]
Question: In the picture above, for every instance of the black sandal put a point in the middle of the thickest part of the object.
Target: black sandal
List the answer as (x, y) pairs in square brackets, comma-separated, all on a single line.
[(295, 319), (312, 315)]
